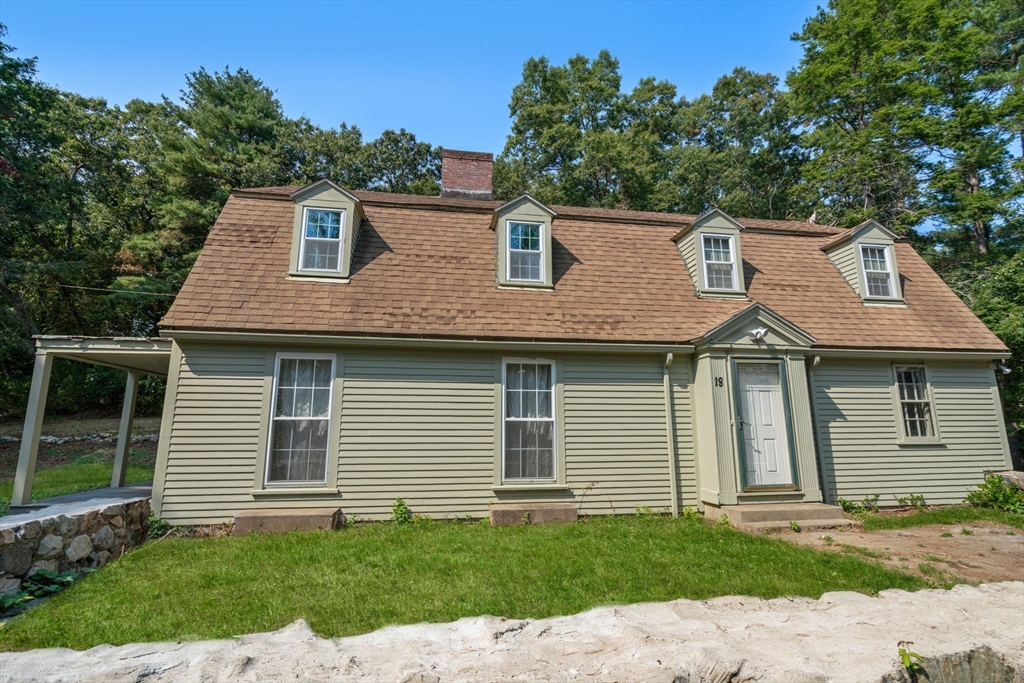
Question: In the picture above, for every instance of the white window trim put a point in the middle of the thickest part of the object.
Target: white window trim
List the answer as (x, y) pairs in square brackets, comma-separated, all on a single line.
[(273, 407), (554, 421), (732, 256), (864, 271), (901, 427), (303, 238), (508, 251)]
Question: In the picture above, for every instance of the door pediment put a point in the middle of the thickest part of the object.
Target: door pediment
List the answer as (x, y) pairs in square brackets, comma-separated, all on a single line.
[(756, 327)]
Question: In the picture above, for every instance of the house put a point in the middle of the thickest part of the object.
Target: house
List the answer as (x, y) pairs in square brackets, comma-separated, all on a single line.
[(340, 348)]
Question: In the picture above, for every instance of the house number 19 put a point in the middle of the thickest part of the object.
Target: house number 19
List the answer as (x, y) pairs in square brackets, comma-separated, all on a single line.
[(719, 382)]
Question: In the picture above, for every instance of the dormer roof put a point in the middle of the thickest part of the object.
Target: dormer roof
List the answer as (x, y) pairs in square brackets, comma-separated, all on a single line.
[(516, 203), (854, 232)]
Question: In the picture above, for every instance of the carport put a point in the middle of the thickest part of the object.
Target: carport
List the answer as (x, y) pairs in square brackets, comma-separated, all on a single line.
[(137, 355)]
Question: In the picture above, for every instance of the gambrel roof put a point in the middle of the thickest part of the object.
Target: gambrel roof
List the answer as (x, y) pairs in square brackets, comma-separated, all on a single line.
[(425, 267)]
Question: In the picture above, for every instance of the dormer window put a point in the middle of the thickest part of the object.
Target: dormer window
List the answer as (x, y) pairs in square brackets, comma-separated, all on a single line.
[(719, 264), (525, 252), (877, 275), (322, 240)]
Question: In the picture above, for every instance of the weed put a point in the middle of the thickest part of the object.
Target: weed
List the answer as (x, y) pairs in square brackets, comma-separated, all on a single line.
[(400, 512), (794, 526), (848, 506), (643, 511), (933, 558), (828, 540), (946, 534), (907, 657), (157, 526), (526, 517), (86, 459), (691, 515), (999, 494), (913, 500), (864, 552), (723, 521), (966, 532), (928, 569), (870, 503), (41, 584)]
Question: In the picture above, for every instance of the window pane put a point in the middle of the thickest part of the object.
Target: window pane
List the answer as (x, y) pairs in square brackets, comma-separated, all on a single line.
[(321, 254), (285, 402), (716, 249), (524, 237), (321, 401), (287, 372), (719, 276), (299, 451), (529, 450), (874, 259), (915, 407), (304, 373), (524, 265), (323, 224), (322, 373), (878, 284)]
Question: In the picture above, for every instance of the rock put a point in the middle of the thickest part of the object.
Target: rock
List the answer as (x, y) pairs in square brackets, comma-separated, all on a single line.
[(113, 510), (1013, 478), (69, 527), (31, 530), (101, 558), (79, 548), (16, 559), (104, 538), (90, 523), (117, 521), (9, 586), (45, 565), (7, 536), (50, 547)]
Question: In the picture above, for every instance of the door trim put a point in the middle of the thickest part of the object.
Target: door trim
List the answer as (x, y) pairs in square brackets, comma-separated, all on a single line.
[(788, 417)]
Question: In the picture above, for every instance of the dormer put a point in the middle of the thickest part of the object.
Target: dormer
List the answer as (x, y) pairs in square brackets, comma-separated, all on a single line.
[(523, 235), (327, 220), (866, 258), (710, 248)]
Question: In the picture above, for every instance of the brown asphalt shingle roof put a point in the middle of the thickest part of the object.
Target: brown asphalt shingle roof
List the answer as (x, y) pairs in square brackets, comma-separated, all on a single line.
[(425, 267)]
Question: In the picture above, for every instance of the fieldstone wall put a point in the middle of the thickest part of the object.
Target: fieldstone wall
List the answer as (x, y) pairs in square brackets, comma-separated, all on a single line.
[(69, 542)]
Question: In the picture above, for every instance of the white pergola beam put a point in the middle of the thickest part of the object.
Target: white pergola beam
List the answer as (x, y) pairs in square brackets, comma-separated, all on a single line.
[(33, 429), (124, 435)]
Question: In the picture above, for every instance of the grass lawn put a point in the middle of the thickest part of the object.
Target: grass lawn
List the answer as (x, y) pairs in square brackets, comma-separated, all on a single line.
[(950, 515), (72, 478), (356, 580)]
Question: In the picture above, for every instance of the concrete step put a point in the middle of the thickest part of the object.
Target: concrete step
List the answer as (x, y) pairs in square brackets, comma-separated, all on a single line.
[(781, 512), (805, 525), (286, 519), (511, 514)]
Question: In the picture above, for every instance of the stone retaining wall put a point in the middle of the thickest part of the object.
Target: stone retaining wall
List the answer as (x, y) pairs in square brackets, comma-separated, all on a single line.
[(69, 542)]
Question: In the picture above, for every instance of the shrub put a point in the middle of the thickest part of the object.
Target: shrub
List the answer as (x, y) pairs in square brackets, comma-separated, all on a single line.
[(997, 493), (400, 512)]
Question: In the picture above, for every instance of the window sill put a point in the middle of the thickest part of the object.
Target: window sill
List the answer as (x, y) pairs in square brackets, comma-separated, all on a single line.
[(911, 443), (317, 277), (892, 303), (721, 294), (524, 285), (294, 491), (526, 488)]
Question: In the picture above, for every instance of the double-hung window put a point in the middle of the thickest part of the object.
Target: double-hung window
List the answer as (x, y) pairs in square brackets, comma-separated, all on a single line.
[(300, 423), (525, 254), (915, 402), (719, 264), (877, 275), (529, 421), (321, 240)]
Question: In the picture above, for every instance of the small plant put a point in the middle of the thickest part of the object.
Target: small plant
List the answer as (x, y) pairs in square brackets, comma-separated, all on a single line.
[(848, 506), (691, 515), (724, 522), (526, 518), (828, 540), (86, 459), (157, 526), (870, 503), (907, 658), (794, 526), (400, 512), (643, 511), (999, 494), (966, 532), (42, 584), (946, 534), (913, 500)]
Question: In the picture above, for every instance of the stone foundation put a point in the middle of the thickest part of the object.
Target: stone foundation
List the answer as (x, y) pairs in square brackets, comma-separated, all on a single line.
[(68, 538)]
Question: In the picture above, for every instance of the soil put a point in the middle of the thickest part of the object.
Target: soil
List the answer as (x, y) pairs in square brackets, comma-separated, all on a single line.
[(54, 455), (975, 551)]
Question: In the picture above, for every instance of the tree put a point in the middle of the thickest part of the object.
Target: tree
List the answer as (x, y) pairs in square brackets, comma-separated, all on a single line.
[(396, 162)]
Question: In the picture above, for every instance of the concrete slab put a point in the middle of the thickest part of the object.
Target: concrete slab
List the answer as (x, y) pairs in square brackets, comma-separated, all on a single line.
[(511, 514), (286, 519), (127, 492)]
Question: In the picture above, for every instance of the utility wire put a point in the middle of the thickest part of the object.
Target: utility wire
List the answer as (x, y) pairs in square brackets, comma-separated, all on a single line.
[(121, 291)]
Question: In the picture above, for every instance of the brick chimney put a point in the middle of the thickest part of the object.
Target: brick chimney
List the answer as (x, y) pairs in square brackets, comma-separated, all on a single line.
[(466, 175)]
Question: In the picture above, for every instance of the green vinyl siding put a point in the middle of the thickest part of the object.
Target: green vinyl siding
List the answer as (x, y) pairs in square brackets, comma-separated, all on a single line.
[(423, 426), (845, 260), (688, 251), (859, 434)]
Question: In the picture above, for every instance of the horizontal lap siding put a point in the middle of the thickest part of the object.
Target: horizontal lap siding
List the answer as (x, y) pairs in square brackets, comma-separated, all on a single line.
[(214, 434), (685, 450), (418, 427), (859, 430), (615, 433)]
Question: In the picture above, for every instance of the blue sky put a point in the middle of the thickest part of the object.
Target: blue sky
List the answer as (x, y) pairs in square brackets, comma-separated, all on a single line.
[(441, 70)]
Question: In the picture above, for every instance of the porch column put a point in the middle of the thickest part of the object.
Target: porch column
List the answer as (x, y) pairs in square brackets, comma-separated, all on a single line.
[(33, 429), (124, 436)]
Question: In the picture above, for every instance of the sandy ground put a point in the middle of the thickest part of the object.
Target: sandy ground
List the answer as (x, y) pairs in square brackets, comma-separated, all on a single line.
[(846, 637), (975, 552)]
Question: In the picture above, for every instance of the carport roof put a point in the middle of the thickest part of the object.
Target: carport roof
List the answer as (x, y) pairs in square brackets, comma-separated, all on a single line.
[(145, 354)]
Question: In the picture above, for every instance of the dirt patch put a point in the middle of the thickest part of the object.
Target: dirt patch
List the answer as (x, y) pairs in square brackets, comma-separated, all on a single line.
[(80, 425), (974, 551)]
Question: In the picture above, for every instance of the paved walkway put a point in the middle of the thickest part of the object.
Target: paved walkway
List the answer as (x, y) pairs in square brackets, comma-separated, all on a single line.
[(75, 502)]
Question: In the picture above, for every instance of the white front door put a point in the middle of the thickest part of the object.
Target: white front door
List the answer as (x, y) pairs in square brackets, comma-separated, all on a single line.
[(763, 425)]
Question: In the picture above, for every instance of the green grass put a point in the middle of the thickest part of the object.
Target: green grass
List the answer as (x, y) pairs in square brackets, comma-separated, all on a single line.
[(950, 515), (72, 478), (359, 579)]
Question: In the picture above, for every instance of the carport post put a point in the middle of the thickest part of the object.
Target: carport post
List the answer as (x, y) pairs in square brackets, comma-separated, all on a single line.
[(33, 429), (124, 436)]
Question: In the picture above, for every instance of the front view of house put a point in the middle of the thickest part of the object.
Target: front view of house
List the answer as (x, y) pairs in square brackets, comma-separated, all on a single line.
[(336, 348)]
